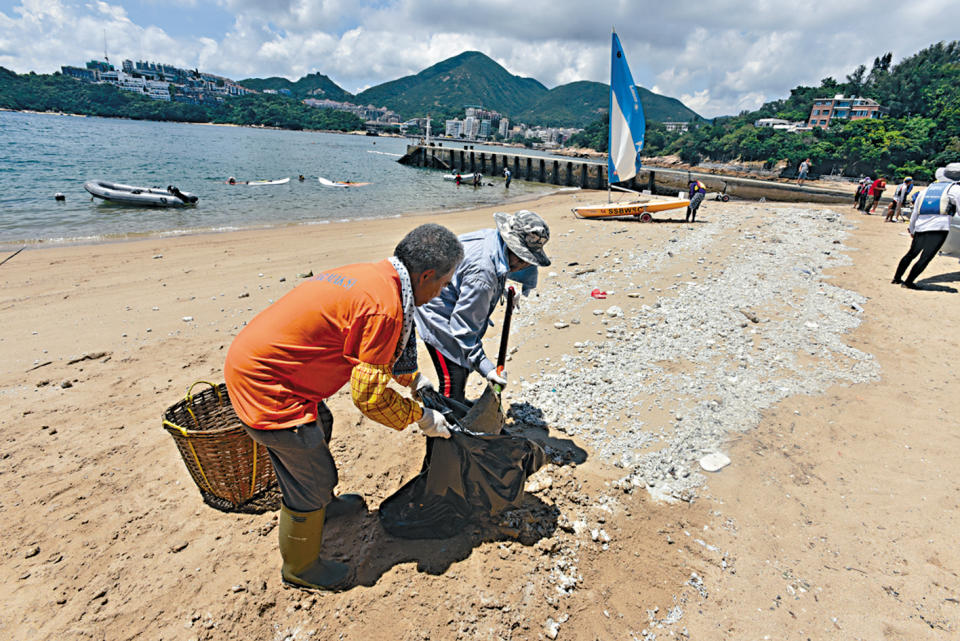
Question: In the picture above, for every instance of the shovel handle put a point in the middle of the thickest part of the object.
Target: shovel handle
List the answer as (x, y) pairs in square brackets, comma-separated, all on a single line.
[(504, 336)]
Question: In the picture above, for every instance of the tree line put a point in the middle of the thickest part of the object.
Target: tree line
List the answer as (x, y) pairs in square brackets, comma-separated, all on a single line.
[(56, 92), (919, 131)]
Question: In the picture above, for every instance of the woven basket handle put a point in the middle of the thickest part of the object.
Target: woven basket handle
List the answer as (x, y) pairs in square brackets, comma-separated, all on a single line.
[(189, 399)]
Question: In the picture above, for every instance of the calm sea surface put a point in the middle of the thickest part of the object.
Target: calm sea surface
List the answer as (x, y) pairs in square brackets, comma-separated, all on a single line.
[(43, 154)]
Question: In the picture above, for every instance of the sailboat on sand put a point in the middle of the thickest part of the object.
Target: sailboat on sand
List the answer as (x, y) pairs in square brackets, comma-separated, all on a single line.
[(627, 128)]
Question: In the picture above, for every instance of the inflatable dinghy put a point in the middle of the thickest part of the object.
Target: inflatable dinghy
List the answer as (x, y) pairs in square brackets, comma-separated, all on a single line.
[(464, 177), (140, 196)]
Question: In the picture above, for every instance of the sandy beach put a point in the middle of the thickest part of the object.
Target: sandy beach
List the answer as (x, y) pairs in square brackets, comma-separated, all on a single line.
[(766, 332)]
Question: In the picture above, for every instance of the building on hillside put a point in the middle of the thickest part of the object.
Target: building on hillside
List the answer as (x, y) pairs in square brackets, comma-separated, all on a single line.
[(782, 124), (453, 128), (100, 65), (81, 73), (504, 128), (842, 108), (471, 127), (159, 81), (682, 127)]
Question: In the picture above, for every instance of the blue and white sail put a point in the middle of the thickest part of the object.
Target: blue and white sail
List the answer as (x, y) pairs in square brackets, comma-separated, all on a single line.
[(627, 124)]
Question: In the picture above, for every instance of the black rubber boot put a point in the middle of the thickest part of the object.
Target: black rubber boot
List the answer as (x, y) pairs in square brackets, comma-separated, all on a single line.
[(301, 537)]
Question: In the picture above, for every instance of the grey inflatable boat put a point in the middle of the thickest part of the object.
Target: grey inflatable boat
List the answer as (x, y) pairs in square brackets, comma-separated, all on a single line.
[(141, 196)]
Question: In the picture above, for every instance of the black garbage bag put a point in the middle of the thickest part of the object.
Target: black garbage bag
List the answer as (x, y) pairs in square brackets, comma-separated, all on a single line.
[(478, 472)]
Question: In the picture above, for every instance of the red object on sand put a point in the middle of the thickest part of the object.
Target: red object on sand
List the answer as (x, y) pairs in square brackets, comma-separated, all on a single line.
[(598, 294)]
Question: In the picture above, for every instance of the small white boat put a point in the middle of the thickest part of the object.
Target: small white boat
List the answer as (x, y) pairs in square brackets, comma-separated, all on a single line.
[(464, 178), (141, 196), (339, 183), (279, 181)]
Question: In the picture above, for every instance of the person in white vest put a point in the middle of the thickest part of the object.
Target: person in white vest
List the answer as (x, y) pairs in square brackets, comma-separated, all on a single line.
[(930, 223)]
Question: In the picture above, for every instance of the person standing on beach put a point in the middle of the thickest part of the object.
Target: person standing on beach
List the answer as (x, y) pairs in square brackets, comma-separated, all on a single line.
[(930, 223), (802, 174), (506, 178), (350, 324), (900, 195), (476, 179), (876, 190), (698, 191), (861, 202), (453, 324), (458, 179)]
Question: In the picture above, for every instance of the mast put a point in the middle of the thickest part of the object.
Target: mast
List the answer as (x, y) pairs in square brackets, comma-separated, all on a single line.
[(428, 129), (610, 124)]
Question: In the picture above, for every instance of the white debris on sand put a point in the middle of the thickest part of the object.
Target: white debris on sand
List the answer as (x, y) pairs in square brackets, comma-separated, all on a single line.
[(668, 380), (731, 368)]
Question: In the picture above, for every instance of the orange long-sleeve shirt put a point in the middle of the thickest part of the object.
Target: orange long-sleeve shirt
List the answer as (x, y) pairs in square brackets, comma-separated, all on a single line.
[(307, 345)]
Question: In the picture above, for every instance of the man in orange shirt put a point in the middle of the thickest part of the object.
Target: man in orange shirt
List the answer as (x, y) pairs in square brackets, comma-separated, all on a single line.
[(353, 323)]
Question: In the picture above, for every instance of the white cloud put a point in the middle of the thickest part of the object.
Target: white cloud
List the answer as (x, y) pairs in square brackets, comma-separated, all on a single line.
[(719, 57)]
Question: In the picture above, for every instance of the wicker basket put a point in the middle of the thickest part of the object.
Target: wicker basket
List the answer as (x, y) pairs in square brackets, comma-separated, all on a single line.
[(232, 470)]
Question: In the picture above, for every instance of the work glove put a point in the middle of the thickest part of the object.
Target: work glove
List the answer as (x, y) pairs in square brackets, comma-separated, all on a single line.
[(420, 383), (497, 379), (433, 424)]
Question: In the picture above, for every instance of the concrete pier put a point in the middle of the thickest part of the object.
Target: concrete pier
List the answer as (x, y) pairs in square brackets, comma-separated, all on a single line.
[(566, 172), (592, 174)]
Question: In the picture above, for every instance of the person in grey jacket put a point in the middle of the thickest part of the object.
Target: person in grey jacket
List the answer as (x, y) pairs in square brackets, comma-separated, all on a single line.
[(453, 324)]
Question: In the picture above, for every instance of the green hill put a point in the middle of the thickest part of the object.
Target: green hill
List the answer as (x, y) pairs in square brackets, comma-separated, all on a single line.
[(919, 131), (473, 78), (56, 92), (580, 103), (469, 78), (314, 85)]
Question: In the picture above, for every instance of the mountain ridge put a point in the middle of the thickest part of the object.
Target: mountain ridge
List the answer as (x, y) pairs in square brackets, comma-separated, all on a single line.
[(444, 89)]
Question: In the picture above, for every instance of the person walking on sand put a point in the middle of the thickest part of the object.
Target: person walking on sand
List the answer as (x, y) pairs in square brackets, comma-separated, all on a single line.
[(453, 324), (861, 203), (802, 174), (506, 177), (876, 190), (930, 223), (698, 191), (476, 179), (900, 194), (349, 324)]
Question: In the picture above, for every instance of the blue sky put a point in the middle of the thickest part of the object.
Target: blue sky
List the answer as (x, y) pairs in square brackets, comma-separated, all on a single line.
[(719, 56)]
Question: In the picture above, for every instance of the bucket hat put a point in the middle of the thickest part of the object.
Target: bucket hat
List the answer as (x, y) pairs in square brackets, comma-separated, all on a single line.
[(525, 233), (950, 172)]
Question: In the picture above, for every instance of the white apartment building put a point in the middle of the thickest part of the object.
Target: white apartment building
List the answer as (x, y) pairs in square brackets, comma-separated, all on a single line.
[(454, 128)]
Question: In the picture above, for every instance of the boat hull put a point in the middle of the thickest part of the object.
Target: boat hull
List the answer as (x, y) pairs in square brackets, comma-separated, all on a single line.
[(640, 210), (137, 196)]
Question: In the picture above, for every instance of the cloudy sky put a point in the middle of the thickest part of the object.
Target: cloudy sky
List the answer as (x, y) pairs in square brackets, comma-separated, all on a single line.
[(719, 57)]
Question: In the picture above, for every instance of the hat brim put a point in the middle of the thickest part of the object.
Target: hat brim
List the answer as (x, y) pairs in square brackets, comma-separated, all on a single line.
[(538, 257)]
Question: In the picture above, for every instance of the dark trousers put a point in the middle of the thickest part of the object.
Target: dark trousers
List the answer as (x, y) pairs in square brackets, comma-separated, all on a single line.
[(694, 205), (925, 244), (302, 461), (452, 378), (862, 204)]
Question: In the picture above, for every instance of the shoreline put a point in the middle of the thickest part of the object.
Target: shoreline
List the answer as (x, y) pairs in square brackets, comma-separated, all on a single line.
[(54, 243)]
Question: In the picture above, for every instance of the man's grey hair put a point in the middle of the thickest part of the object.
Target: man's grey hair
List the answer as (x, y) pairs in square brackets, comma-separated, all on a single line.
[(429, 246)]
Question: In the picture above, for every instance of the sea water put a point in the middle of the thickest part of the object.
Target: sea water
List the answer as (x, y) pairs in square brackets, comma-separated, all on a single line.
[(43, 154)]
